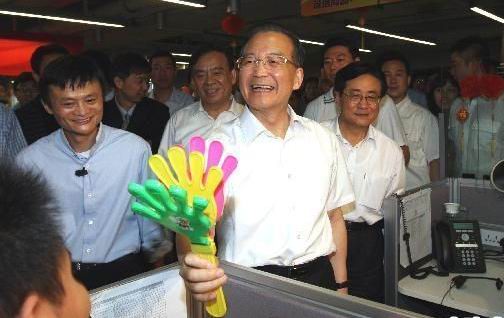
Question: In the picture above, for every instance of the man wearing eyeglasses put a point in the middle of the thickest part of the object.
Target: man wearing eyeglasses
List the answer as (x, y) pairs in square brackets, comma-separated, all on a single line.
[(130, 109), (338, 53), (376, 168), (285, 200)]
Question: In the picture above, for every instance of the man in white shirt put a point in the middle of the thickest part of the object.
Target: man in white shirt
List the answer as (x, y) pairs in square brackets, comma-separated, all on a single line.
[(338, 53), (376, 168), (213, 77), (421, 127), (286, 198), (479, 136), (163, 77)]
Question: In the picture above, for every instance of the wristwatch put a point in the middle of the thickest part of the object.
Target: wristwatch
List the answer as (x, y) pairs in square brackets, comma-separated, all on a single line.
[(342, 285)]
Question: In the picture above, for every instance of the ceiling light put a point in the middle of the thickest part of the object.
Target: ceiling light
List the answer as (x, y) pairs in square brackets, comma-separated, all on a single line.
[(181, 54), (182, 63), (311, 42), (186, 3), (365, 50), (48, 17), (389, 35), (487, 14)]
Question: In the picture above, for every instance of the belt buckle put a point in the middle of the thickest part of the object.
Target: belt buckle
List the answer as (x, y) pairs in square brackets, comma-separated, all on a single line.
[(78, 266)]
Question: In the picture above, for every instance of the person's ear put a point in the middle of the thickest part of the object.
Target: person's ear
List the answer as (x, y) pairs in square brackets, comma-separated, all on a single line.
[(118, 82), (36, 77), (47, 108), (298, 80), (32, 306), (233, 76)]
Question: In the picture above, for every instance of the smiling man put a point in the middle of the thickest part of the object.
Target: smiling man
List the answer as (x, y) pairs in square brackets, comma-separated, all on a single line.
[(88, 166), (376, 168), (286, 198), (213, 77)]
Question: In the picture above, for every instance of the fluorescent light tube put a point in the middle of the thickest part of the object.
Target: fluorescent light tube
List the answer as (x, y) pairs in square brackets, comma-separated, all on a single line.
[(389, 35), (186, 3), (181, 54), (487, 14), (311, 42), (48, 17), (365, 50), (182, 63)]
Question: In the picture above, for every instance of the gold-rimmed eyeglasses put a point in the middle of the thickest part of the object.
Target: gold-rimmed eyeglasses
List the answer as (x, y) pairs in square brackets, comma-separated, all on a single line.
[(356, 98), (270, 62)]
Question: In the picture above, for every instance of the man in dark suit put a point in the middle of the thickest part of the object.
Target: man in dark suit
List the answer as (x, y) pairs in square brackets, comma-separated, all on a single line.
[(34, 120), (131, 110)]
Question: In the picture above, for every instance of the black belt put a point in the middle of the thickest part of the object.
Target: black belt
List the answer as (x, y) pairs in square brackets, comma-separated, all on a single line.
[(82, 267), (293, 271), (362, 226)]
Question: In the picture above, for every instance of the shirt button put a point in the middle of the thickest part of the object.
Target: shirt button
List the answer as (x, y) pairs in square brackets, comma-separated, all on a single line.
[(298, 236), (90, 195), (90, 222), (88, 250), (289, 175)]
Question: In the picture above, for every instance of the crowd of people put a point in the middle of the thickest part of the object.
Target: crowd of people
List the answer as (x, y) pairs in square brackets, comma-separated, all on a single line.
[(317, 157)]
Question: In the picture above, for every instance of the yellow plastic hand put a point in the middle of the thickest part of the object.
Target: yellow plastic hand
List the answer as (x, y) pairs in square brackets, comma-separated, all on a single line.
[(192, 179)]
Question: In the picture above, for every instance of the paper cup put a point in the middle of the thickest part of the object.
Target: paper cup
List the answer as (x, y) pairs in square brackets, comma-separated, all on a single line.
[(452, 208)]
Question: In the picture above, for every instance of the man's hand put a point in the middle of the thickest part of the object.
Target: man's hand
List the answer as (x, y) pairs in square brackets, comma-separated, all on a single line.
[(201, 277)]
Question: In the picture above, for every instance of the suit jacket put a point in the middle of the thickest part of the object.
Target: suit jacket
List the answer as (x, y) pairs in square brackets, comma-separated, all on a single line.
[(147, 121), (35, 121)]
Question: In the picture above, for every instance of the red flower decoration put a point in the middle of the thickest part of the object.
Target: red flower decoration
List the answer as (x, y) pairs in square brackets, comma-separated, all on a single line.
[(489, 86)]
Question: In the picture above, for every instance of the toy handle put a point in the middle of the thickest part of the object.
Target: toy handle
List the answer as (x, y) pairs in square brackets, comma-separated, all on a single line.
[(217, 307)]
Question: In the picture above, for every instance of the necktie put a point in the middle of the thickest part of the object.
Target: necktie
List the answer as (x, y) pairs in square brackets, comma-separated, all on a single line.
[(125, 122)]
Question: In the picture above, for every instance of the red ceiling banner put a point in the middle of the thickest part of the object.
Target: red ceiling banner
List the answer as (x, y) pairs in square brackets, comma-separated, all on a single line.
[(316, 7), (15, 51)]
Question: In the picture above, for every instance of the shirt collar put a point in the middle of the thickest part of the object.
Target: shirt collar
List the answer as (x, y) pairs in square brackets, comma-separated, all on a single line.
[(371, 134), (252, 127), (329, 96), (100, 136), (235, 108), (123, 111), (405, 101)]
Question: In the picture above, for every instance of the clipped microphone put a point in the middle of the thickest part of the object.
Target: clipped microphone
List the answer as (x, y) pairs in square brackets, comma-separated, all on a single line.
[(81, 172)]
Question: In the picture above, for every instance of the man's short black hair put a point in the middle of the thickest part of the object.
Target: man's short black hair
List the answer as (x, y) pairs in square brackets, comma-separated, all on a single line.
[(472, 48), (162, 53), (103, 61), (354, 70), (70, 70), (394, 56), (299, 51), (208, 49), (44, 50), (24, 77), (332, 42), (126, 64), (31, 247)]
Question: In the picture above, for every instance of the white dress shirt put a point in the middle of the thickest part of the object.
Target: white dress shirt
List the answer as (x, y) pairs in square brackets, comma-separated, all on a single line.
[(177, 100), (479, 141), (278, 199), (324, 108), (422, 134), (376, 168), (193, 120)]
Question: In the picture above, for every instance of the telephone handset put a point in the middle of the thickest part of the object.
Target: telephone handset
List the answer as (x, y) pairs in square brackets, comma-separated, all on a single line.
[(457, 246)]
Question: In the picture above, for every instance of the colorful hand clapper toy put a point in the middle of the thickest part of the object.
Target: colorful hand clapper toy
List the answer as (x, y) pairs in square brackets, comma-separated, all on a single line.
[(190, 199)]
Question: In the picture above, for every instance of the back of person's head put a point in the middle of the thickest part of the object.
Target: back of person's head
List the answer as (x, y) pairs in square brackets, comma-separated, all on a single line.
[(70, 71), (103, 61), (472, 48), (23, 78), (126, 64), (31, 247), (298, 52), (393, 56), (44, 50), (162, 53), (209, 49), (337, 41), (354, 70)]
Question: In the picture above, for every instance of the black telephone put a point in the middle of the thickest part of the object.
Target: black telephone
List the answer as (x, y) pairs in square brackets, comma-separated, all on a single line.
[(457, 246)]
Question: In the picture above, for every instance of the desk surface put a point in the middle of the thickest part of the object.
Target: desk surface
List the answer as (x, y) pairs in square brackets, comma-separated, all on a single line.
[(477, 296)]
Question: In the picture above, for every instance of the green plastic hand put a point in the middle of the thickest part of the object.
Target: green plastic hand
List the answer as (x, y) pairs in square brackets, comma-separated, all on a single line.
[(170, 208)]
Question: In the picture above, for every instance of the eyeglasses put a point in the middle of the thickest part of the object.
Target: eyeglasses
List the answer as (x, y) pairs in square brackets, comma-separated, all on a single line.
[(270, 62), (357, 98)]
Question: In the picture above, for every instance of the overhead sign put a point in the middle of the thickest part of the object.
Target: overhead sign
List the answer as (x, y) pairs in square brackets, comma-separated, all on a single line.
[(316, 7)]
